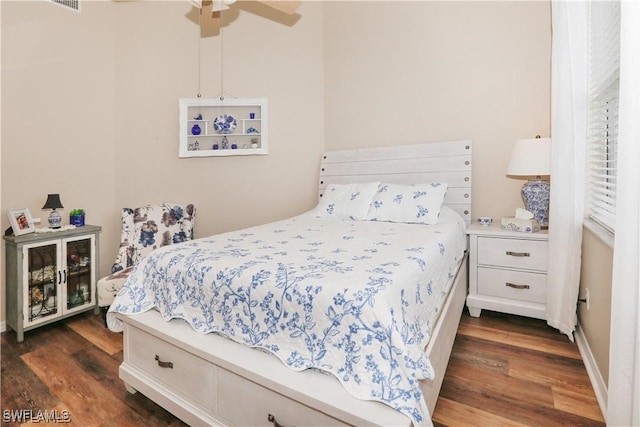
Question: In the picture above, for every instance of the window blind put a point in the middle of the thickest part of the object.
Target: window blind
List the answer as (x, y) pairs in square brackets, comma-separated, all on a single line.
[(602, 132)]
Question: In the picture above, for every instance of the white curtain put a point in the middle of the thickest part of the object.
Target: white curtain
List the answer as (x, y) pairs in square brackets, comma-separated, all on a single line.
[(624, 350), (569, 68)]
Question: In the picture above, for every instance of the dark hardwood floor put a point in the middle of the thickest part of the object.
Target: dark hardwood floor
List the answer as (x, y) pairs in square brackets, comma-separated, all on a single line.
[(504, 371)]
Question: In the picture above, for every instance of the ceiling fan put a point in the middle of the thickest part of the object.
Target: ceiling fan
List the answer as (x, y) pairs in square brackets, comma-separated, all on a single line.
[(286, 6)]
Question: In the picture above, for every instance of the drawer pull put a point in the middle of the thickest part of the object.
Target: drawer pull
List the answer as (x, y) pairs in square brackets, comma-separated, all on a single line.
[(164, 364), (273, 421), (514, 286), (518, 253)]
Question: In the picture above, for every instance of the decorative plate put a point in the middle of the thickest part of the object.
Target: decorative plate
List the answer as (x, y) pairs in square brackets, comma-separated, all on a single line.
[(224, 123)]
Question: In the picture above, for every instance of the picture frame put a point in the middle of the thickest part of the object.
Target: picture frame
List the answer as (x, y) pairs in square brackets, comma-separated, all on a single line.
[(21, 221)]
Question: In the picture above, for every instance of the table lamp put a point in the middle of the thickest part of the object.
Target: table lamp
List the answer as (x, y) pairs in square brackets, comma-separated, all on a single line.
[(53, 202), (532, 158)]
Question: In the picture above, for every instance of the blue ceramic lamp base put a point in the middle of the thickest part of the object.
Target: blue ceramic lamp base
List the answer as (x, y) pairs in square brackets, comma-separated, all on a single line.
[(535, 194)]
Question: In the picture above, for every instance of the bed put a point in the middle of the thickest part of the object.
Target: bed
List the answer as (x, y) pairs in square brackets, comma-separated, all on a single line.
[(319, 319)]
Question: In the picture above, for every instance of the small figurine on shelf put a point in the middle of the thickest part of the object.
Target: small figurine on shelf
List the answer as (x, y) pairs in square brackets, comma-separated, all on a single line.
[(215, 146), (254, 142), (225, 143), (196, 146), (198, 117)]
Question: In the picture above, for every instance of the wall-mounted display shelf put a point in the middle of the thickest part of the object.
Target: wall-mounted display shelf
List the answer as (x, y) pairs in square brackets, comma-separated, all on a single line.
[(223, 127)]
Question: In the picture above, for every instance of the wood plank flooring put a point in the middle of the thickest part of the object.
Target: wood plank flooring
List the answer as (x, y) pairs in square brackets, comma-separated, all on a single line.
[(504, 371), (513, 371)]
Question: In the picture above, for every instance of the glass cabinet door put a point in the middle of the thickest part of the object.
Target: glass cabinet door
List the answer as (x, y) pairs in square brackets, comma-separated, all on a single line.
[(79, 272), (42, 276)]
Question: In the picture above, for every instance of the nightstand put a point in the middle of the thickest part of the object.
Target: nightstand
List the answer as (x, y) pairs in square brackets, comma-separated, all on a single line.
[(507, 271)]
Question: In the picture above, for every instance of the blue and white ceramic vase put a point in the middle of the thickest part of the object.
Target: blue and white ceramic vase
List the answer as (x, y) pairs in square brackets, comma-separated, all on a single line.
[(195, 130), (535, 194), (55, 219)]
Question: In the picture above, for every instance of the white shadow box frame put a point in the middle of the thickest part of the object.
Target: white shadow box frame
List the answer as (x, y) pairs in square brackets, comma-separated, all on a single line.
[(223, 127)]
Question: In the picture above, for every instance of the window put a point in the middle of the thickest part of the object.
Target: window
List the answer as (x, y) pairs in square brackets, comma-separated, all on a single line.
[(602, 132)]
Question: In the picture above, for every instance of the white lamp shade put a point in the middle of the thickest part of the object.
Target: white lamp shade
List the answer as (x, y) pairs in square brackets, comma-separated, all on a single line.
[(531, 157)]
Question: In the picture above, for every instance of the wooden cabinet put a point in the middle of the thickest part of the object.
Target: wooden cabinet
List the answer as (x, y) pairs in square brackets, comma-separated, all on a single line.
[(507, 271), (50, 276)]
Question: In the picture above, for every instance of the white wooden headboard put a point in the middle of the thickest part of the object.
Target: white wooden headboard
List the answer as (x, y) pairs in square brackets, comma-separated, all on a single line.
[(446, 161)]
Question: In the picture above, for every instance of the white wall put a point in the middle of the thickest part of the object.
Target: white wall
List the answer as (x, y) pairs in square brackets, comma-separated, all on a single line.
[(595, 274), (407, 72), (58, 111), (157, 63)]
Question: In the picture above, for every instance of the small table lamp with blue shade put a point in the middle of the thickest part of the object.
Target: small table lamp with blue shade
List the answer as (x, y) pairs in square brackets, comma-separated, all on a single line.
[(53, 202), (532, 158)]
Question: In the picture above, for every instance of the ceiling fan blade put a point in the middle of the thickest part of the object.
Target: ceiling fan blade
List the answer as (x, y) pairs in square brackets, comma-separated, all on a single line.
[(287, 6)]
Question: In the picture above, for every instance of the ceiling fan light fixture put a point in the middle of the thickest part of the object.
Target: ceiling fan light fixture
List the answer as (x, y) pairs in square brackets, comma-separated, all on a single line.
[(220, 5)]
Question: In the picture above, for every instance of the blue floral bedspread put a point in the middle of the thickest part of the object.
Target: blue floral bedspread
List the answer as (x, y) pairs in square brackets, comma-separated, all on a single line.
[(357, 299)]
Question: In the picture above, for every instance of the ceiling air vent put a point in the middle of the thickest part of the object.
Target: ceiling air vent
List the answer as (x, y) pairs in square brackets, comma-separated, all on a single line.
[(70, 4)]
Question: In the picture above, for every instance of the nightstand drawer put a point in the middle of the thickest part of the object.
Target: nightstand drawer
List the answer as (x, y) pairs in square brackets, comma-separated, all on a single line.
[(513, 253), (516, 285)]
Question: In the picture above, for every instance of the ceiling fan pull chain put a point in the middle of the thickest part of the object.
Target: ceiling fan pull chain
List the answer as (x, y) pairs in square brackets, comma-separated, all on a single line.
[(199, 95), (221, 59)]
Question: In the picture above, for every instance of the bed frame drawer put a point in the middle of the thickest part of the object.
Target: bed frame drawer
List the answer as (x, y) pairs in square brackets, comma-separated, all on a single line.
[(179, 370), (267, 408), (209, 391)]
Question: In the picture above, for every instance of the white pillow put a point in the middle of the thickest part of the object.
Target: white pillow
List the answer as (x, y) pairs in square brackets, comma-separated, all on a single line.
[(346, 201), (417, 203)]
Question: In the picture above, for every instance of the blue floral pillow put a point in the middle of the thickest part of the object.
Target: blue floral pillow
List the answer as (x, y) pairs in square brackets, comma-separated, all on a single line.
[(418, 203), (346, 201)]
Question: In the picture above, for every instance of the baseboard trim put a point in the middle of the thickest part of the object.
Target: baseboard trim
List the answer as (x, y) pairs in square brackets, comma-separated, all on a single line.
[(599, 387)]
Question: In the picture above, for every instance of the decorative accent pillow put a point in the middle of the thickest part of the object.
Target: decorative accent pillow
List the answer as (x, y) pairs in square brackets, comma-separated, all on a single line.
[(346, 201), (417, 203), (149, 227)]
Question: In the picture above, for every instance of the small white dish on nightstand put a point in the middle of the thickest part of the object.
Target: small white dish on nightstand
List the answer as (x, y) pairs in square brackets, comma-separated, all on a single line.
[(485, 220)]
